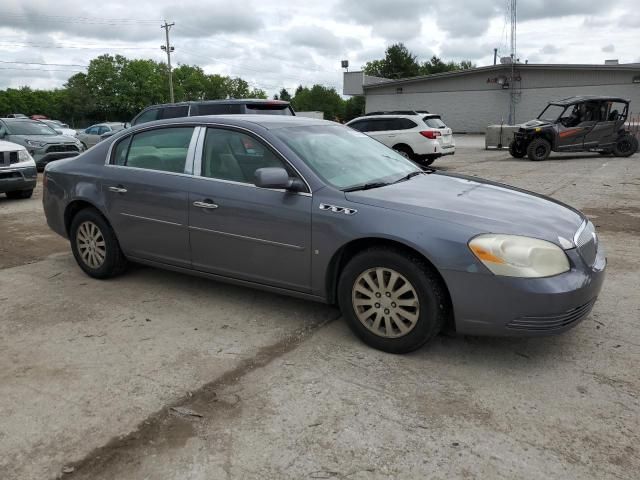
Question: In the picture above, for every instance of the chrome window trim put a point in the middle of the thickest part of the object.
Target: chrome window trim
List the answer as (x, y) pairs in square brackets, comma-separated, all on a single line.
[(152, 219), (188, 165), (198, 162), (244, 237)]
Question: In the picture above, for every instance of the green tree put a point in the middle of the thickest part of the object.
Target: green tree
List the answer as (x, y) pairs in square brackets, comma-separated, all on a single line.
[(284, 95), (398, 62), (354, 107), (319, 98)]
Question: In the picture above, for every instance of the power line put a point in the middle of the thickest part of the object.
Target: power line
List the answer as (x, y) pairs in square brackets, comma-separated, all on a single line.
[(76, 19), (81, 47), (52, 64)]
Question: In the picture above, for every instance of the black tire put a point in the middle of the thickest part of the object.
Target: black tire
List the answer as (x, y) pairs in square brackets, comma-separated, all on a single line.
[(539, 149), (604, 153), (17, 194), (515, 151), (405, 151), (426, 160), (431, 295), (114, 261), (625, 146)]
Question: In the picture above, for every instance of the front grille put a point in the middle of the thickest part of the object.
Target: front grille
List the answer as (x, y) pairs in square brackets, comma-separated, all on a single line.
[(7, 158), (62, 148), (9, 175), (551, 322), (587, 244)]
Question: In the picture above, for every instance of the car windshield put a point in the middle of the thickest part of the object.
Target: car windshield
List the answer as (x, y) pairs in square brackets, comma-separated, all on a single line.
[(29, 128), (117, 128), (346, 158), (551, 113)]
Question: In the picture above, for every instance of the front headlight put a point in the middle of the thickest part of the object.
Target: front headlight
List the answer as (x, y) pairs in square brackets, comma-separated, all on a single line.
[(36, 144), (516, 256), (23, 156)]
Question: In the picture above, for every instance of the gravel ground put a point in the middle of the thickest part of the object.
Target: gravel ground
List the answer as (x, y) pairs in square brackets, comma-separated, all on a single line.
[(161, 375)]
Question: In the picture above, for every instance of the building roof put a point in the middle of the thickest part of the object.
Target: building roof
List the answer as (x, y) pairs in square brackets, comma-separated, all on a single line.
[(501, 67)]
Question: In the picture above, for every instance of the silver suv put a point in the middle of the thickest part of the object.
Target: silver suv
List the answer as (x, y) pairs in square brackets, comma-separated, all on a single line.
[(420, 136), (42, 142)]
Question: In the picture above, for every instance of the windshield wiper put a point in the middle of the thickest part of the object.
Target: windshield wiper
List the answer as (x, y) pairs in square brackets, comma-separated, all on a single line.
[(409, 176), (366, 186)]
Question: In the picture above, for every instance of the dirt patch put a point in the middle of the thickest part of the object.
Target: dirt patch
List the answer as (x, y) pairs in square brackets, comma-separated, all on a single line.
[(624, 219), (25, 239)]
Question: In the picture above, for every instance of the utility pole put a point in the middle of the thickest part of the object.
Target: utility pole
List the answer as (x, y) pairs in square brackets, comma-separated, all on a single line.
[(512, 93), (168, 48)]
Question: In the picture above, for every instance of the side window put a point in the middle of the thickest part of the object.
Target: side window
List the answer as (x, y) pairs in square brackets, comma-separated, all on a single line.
[(376, 125), (91, 131), (174, 112), (219, 108), (361, 126), (402, 124), (119, 155), (164, 149), (101, 130), (235, 156), (147, 116)]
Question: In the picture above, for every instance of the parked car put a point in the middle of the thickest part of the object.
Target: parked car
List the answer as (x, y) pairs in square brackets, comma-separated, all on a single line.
[(213, 107), (42, 142), (420, 136), (577, 124), (93, 135), (61, 128), (316, 210), (18, 174), (17, 115)]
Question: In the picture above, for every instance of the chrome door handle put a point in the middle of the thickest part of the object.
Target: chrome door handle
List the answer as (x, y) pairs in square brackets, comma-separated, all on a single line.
[(205, 205), (118, 189)]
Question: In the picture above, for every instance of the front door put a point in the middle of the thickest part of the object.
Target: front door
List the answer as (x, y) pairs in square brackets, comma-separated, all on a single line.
[(147, 195), (239, 230)]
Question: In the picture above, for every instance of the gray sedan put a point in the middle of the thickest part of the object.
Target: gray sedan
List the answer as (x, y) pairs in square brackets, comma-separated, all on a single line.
[(320, 211)]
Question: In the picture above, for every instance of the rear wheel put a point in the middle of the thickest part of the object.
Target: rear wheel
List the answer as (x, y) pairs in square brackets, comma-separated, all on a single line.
[(404, 150), (625, 146), (20, 194), (392, 300), (95, 246), (516, 151), (539, 149)]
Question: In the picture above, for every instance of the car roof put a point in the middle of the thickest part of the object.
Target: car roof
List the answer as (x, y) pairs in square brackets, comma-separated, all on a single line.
[(420, 116), (229, 101), (588, 98), (269, 122)]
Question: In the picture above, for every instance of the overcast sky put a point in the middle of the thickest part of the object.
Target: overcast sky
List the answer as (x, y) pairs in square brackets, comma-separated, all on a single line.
[(276, 43)]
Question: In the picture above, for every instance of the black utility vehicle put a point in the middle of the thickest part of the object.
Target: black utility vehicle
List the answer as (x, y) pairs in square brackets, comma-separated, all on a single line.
[(577, 124), (213, 107)]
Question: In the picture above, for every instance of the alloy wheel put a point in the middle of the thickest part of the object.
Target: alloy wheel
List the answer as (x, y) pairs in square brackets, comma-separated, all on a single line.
[(385, 302), (91, 244)]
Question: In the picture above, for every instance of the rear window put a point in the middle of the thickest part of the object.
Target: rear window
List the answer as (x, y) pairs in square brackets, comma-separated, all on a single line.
[(218, 109), (434, 122), (269, 109), (146, 116)]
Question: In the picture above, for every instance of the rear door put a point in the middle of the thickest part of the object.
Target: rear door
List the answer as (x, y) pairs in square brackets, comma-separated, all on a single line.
[(146, 188), (604, 132), (240, 231), (446, 134)]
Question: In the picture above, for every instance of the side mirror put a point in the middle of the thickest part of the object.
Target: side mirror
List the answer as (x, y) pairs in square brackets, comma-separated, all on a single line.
[(277, 177)]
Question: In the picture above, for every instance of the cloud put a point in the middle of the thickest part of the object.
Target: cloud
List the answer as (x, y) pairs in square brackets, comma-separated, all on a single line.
[(609, 48), (549, 49), (322, 39), (397, 21)]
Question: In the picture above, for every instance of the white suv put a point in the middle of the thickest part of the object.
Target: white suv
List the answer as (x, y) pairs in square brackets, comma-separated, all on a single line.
[(420, 136)]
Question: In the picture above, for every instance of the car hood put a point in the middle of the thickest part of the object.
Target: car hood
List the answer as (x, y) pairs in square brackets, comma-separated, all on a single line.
[(484, 206), (535, 124), (10, 146), (44, 138)]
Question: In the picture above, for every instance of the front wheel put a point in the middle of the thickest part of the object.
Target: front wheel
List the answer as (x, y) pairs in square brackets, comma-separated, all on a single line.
[(95, 246), (392, 300), (626, 146), (516, 151), (539, 149)]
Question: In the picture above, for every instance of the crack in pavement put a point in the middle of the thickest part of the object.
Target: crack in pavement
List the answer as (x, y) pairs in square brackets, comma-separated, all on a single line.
[(163, 429)]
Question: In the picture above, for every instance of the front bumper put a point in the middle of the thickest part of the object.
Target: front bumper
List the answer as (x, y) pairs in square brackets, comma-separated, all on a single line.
[(487, 304), (15, 179)]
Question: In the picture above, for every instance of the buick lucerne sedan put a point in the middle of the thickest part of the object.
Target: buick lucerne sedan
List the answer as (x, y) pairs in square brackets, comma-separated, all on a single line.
[(318, 210)]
